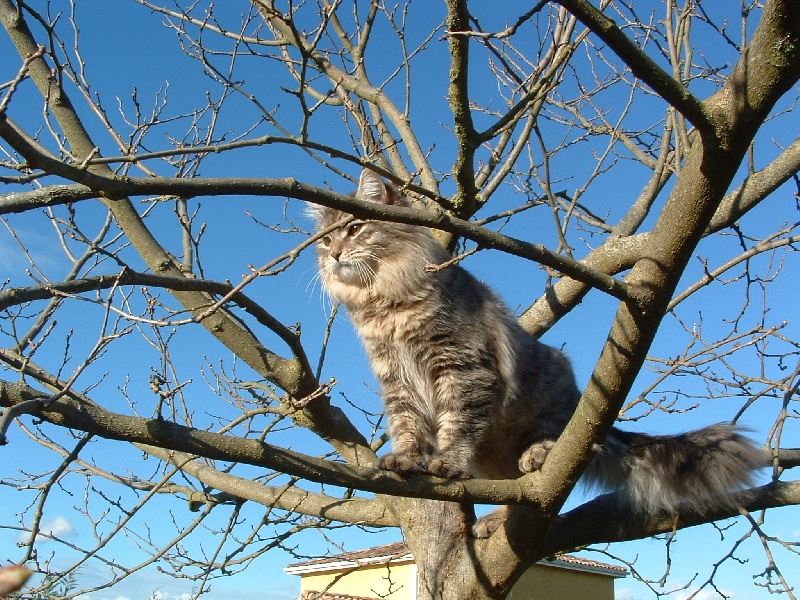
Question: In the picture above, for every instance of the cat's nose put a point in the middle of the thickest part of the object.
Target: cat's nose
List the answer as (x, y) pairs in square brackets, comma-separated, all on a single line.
[(335, 254)]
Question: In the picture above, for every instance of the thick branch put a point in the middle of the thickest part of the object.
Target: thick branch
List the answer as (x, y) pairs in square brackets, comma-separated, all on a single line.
[(54, 195), (757, 187), (613, 256), (187, 188), (640, 64), (710, 167), (78, 412), (463, 166), (603, 520), (331, 424)]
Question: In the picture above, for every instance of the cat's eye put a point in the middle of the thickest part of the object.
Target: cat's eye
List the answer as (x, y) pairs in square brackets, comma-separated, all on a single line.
[(326, 241), (354, 229)]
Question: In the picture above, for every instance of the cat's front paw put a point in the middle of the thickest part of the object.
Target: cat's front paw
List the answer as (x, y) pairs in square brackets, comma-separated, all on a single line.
[(442, 468), (402, 462), (533, 458), (488, 524)]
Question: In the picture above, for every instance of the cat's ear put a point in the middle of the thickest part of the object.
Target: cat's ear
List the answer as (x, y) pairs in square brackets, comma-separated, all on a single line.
[(371, 187)]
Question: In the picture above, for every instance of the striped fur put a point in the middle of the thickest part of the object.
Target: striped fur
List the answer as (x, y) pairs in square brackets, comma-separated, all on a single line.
[(468, 392)]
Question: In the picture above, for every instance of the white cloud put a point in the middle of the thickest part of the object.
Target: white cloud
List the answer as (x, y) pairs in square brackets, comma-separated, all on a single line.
[(160, 595), (57, 527)]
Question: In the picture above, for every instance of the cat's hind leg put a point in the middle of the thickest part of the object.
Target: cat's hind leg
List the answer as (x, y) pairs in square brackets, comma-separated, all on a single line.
[(533, 458), (486, 525)]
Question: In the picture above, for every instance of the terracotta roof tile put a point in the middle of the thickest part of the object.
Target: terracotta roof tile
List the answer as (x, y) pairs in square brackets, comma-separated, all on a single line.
[(585, 562), (394, 551), (331, 596)]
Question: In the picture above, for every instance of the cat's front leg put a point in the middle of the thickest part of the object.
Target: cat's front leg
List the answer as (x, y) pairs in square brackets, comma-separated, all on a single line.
[(404, 463), (456, 442), (446, 469), (404, 428)]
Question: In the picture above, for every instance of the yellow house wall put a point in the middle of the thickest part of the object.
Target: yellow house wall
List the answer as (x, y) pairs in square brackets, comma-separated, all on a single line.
[(394, 582), (397, 582), (553, 583)]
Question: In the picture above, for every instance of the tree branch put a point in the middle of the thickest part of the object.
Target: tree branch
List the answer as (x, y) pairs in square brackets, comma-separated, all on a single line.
[(14, 296), (704, 179), (354, 85), (463, 169), (641, 65), (72, 410), (359, 511), (53, 195), (602, 520), (330, 424), (188, 188)]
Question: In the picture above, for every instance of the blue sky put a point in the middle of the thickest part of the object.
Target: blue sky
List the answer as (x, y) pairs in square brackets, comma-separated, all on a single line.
[(137, 52)]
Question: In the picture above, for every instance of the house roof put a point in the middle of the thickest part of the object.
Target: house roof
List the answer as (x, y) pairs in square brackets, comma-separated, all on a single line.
[(398, 552), (330, 596), (567, 561)]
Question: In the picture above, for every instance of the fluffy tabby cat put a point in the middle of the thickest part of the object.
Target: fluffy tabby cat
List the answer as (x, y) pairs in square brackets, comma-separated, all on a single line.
[(468, 392)]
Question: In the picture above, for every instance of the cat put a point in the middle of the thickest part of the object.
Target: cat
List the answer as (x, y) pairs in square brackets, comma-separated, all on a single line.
[(469, 393)]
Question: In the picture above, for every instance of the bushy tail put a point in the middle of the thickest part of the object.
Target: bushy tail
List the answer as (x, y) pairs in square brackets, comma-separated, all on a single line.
[(656, 474)]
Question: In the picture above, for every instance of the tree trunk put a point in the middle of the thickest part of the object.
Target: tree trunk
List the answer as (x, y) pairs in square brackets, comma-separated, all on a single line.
[(445, 553)]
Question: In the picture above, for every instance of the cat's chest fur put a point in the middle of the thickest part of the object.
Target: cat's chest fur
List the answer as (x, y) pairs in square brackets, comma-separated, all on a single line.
[(399, 341)]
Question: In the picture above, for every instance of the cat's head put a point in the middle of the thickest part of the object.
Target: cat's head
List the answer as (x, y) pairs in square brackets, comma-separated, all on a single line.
[(366, 254)]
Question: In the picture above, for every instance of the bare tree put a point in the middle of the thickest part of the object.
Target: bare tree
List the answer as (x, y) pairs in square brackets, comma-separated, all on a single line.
[(645, 156)]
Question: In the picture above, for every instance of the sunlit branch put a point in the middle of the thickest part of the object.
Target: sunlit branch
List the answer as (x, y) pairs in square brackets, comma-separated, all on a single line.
[(60, 194), (77, 412), (463, 165), (640, 63), (614, 256), (352, 510), (508, 31), (603, 519), (619, 253), (183, 16), (187, 188), (757, 187)]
